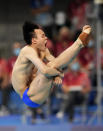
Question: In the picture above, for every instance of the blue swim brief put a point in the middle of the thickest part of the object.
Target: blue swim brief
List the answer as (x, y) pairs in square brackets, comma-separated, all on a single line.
[(27, 100)]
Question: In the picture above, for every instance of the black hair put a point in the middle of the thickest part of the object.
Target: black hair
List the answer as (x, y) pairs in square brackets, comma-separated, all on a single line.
[(28, 31)]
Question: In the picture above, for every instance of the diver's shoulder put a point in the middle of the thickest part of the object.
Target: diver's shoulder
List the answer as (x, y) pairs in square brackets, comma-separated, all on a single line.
[(26, 48)]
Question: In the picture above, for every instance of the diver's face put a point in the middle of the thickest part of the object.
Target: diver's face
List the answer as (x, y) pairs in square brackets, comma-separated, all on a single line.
[(40, 39)]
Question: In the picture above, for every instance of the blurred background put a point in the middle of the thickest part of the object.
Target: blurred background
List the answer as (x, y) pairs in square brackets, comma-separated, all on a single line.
[(78, 104)]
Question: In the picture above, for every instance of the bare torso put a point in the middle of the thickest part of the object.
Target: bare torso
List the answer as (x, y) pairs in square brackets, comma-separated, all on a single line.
[(22, 72)]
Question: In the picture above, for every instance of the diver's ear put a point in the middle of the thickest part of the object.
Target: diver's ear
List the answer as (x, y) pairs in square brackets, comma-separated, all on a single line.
[(34, 41)]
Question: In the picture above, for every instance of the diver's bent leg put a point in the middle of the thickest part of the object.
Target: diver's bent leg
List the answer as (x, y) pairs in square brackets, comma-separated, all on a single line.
[(67, 56), (39, 88)]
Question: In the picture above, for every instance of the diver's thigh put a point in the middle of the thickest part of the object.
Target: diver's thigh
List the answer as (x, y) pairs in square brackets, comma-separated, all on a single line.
[(39, 89), (39, 84)]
